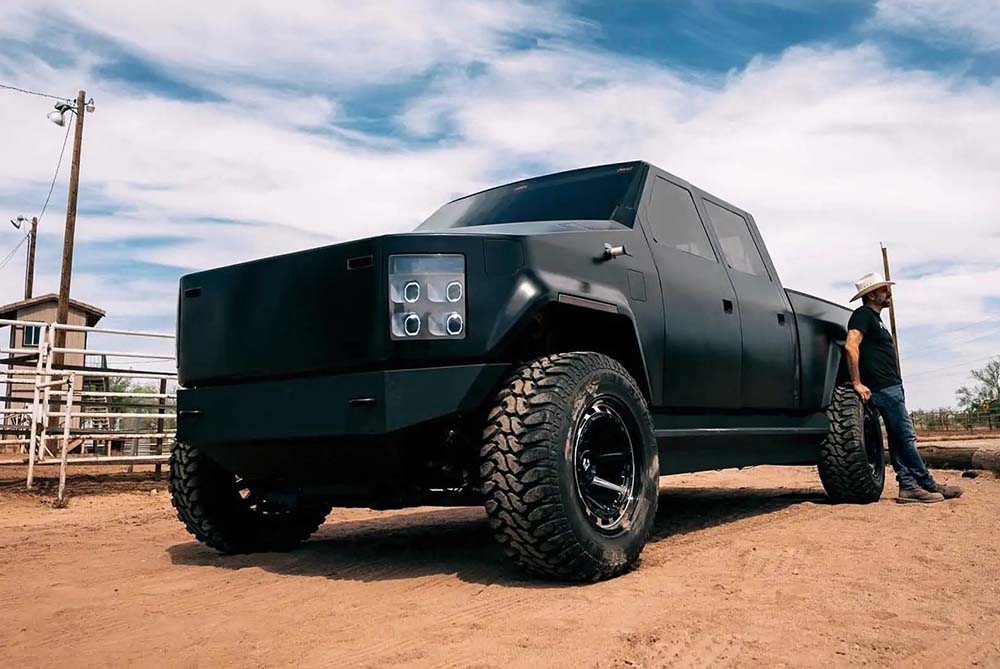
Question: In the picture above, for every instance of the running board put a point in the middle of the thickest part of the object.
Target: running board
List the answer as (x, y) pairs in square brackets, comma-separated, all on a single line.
[(686, 447)]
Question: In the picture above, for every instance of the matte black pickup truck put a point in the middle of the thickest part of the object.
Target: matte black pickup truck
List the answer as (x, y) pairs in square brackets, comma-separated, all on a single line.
[(547, 348)]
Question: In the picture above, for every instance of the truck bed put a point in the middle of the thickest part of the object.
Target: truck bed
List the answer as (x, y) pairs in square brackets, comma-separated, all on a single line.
[(819, 323)]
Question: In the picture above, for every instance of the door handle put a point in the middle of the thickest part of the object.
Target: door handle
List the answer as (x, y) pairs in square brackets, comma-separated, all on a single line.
[(781, 319), (727, 306), (612, 252)]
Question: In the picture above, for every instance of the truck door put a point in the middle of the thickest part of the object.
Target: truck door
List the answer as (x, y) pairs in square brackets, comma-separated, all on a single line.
[(768, 379), (702, 321)]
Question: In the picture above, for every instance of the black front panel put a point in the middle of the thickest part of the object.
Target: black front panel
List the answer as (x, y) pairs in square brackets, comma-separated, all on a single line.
[(326, 311), (293, 314)]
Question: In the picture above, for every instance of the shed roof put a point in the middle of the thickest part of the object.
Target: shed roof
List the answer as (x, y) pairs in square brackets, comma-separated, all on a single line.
[(93, 314)]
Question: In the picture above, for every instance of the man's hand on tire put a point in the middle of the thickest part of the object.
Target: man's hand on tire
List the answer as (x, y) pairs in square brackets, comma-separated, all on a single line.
[(862, 390)]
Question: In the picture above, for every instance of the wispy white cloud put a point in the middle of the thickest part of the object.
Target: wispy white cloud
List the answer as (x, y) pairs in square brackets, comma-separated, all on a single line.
[(833, 150), (313, 42), (967, 23)]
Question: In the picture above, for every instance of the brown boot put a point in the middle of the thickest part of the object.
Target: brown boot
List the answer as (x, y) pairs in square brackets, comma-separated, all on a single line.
[(918, 495), (947, 491)]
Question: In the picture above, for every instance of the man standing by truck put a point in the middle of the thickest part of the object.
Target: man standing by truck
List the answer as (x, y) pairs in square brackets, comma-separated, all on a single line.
[(871, 359)]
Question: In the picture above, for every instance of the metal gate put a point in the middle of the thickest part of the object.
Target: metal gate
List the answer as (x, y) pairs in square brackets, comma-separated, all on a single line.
[(86, 414)]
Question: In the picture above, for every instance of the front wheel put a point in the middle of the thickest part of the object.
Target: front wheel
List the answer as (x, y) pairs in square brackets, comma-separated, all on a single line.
[(231, 515), (570, 467), (851, 461)]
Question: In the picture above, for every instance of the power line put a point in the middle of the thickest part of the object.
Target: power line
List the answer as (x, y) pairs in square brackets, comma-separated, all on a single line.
[(988, 332), (946, 375), (41, 95), (55, 176), (52, 184), (3, 263), (967, 362), (971, 325), (991, 319)]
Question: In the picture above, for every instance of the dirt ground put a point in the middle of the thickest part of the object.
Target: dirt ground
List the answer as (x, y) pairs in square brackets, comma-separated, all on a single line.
[(745, 568)]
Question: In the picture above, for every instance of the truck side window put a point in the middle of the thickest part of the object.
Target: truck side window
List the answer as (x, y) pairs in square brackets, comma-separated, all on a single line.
[(737, 244), (676, 221)]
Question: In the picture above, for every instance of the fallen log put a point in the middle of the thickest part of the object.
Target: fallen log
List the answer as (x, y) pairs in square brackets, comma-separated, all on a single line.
[(959, 457)]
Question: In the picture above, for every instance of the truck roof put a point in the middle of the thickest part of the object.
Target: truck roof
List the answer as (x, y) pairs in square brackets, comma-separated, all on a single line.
[(595, 168), (622, 165)]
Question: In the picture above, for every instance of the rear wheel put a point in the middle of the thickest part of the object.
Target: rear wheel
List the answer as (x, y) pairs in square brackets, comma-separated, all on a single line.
[(570, 468), (851, 461), (231, 515)]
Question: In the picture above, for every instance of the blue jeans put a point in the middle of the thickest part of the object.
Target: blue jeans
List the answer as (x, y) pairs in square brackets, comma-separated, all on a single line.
[(911, 472)]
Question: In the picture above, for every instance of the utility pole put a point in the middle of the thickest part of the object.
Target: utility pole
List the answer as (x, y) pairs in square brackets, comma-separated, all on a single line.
[(62, 310), (29, 268), (892, 306), (29, 271)]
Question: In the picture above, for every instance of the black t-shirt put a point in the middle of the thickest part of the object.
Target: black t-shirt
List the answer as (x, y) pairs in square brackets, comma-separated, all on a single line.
[(878, 355)]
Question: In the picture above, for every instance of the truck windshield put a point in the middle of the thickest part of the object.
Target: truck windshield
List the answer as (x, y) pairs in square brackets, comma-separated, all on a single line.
[(593, 194)]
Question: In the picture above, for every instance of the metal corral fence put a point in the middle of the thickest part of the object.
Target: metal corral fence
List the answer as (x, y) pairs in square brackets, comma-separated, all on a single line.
[(956, 422), (90, 414)]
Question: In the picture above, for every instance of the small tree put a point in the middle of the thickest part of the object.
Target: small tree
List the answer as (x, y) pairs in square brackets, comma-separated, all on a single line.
[(148, 405), (986, 392)]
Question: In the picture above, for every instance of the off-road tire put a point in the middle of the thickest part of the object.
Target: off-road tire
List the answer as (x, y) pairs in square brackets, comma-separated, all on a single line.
[(529, 474), (845, 466), (208, 501)]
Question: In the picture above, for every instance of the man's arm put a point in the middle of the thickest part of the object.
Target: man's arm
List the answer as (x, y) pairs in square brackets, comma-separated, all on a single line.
[(853, 349)]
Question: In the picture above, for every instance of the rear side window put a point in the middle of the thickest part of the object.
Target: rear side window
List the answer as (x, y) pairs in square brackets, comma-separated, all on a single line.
[(675, 220), (737, 244)]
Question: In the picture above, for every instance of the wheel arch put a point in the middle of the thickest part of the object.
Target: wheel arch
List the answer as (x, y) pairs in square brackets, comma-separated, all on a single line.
[(562, 327)]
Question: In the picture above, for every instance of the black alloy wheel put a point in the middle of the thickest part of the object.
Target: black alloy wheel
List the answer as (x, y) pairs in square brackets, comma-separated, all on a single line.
[(605, 456), (874, 449)]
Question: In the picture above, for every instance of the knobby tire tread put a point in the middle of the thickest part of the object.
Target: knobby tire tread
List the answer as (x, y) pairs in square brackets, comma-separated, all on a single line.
[(520, 474), (843, 463), (207, 502)]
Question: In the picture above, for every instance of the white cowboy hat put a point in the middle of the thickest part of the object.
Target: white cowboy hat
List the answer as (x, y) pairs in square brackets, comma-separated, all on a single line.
[(868, 283)]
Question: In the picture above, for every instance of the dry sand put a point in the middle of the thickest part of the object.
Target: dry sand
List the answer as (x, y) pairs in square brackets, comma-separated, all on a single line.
[(745, 568)]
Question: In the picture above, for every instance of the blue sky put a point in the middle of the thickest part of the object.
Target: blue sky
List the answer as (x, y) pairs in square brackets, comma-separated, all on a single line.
[(224, 133)]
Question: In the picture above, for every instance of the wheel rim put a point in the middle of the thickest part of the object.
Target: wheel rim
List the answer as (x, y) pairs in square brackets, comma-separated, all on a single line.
[(605, 463), (256, 502), (873, 442)]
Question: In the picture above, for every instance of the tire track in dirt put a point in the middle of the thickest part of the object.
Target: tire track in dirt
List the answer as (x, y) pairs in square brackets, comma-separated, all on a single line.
[(693, 542), (665, 545), (955, 649), (498, 604), (428, 588), (704, 650)]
